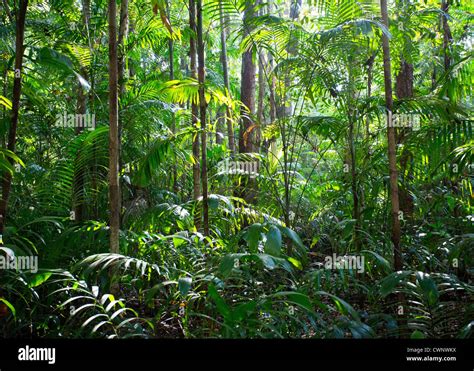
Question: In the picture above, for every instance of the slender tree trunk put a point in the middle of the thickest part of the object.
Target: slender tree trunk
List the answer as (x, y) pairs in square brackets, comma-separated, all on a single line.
[(81, 109), (19, 49), (202, 112), (247, 96), (220, 123), (392, 145), (174, 170), (122, 36), (354, 184), (114, 188), (121, 62), (404, 89), (285, 109), (247, 90), (370, 68), (447, 36), (225, 72), (261, 98), (194, 109), (272, 83)]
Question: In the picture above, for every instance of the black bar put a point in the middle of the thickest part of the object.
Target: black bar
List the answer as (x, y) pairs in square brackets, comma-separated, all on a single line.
[(382, 352)]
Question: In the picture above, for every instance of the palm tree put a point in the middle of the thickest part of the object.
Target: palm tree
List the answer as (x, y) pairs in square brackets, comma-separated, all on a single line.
[(194, 108), (392, 145), (114, 187), (202, 115), (225, 73)]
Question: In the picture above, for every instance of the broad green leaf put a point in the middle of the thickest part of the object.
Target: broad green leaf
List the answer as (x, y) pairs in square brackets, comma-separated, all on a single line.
[(228, 262), (39, 278), (293, 236), (273, 243), (253, 236)]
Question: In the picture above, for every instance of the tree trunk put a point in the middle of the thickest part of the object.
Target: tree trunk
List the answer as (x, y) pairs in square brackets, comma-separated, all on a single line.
[(174, 170), (202, 112), (121, 62), (81, 109), (114, 189), (225, 72), (122, 36), (354, 183), (447, 36), (194, 110), (261, 98), (247, 90), (392, 146), (247, 96), (404, 89), (19, 49), (220, 123)]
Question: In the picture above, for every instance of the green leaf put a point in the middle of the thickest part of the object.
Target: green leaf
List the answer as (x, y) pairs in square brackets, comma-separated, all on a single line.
[(273, 243), (297, 298), (184, 285), (429, 288), (296, 263), (253, 236), (228, 263), (293, 236), (342, 306), (222, 307), (177, 241), (389, 283), (380, 259), (267, 261), (152, 292), (5, 102), (39, 278)]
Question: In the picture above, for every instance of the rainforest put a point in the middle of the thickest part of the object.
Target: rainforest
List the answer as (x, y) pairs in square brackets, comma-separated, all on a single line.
[(236, 169)]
